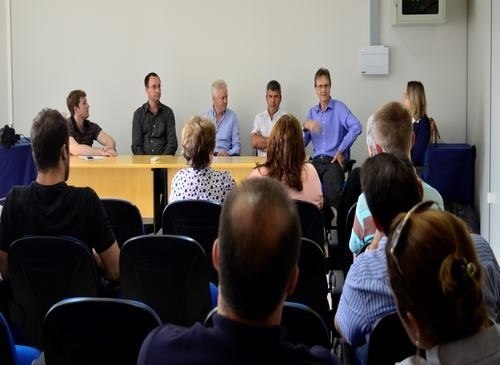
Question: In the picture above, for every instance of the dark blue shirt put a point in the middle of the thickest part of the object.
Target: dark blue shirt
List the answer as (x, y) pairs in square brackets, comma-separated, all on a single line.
[(228, 342), (422, 130)]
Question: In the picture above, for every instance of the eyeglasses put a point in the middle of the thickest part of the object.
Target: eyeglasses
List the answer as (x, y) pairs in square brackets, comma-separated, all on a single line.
[(417, 208)]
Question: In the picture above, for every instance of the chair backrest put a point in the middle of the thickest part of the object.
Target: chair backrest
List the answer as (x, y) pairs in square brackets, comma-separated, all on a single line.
[(302, 325), (198, 219), (311, 222), (312, 285), (7, 350), (43, 270), (389, 342), (169, 273), (124, 218), (82, 331)]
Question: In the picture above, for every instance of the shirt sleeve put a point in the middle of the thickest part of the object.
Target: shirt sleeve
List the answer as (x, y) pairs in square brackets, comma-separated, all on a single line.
[(350, 316), (353, 127), (137, 141), (235, 138), (102, 237), (422, 131), (171, 146), (363, 228)]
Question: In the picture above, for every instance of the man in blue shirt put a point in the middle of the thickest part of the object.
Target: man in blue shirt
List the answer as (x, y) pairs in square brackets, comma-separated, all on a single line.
[(227, 129), (332, 129)]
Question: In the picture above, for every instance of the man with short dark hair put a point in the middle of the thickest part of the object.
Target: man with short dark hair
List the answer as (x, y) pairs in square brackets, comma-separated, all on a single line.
[(83, 132), (50, 207), (264, 122), (257, 269), (153, 126), (332, 128)]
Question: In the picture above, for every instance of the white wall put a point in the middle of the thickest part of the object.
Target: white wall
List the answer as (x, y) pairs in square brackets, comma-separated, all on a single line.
[(479, 99), (107, 47), (4, 100)]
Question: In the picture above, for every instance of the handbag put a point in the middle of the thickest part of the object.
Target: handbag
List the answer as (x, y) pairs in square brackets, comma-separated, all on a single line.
[(8, 136)]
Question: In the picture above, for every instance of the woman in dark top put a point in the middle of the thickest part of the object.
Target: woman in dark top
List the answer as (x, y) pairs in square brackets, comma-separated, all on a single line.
[(414, 100)]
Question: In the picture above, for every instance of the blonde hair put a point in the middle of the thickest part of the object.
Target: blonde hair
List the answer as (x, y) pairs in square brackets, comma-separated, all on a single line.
[(416, 95), (198, 141), (392, 129)]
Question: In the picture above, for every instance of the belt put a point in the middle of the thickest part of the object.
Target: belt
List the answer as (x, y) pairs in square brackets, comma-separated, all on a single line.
[(323, 158)]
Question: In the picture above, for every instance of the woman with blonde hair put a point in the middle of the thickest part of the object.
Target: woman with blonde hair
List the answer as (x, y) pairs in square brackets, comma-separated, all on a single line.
[(436, 279), (198, 180), (415, 101), (286, 162)]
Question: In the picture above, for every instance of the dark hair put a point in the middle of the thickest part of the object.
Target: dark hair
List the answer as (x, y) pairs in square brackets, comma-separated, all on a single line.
[(255, 264), (392, 129), (439, 279), (285, 152), (49, 133), (148, 76), (273, 85), (198, 141), (73, 100), (322, 72), (390, 186)]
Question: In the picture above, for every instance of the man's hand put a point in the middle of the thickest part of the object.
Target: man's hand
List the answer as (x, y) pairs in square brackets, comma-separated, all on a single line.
[(108, 151), (222, 153), (339, 157), (312, 126)]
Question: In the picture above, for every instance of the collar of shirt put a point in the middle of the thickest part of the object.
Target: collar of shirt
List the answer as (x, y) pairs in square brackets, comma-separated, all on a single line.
[(147, 109), (328, 106)]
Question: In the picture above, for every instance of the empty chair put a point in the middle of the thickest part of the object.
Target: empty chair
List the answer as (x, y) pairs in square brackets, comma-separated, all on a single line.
[(96, 331), (43, 270), (312, 285), (124, 218), (169, 273), (311, 221), (10, 353), (389, 342), (198, 219), (302, 325)]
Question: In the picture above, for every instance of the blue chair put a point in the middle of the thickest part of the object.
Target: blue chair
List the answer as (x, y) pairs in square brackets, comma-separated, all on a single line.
[(198, 219), (124, 218), (42, 271), (10, 353), (169, 273), (96, 331)]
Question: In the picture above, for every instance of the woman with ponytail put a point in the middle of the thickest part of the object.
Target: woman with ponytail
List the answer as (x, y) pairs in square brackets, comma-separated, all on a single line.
[(436, 279)]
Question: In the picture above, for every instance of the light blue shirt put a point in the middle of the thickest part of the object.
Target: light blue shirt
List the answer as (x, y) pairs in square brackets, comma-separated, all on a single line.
[(363, 228), (227, 132), (366, 295), (339, 128)]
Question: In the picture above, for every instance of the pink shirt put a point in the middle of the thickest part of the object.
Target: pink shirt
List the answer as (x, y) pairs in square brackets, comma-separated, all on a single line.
[(311, 185)]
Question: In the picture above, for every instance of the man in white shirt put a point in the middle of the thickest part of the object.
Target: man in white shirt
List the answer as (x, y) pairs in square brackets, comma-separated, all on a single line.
[(263, 122)]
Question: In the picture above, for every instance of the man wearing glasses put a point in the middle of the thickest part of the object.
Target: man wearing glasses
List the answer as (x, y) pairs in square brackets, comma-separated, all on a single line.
[(332, 128)]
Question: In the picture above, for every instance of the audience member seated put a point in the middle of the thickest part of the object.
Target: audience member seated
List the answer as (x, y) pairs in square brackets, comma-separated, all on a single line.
[(388, 130), (225, 121), (286, 162), (82, 132), (414, 100), (50, 207), (198, 180), (391, 187), (436, 277), (264, 122), (257, 269)]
